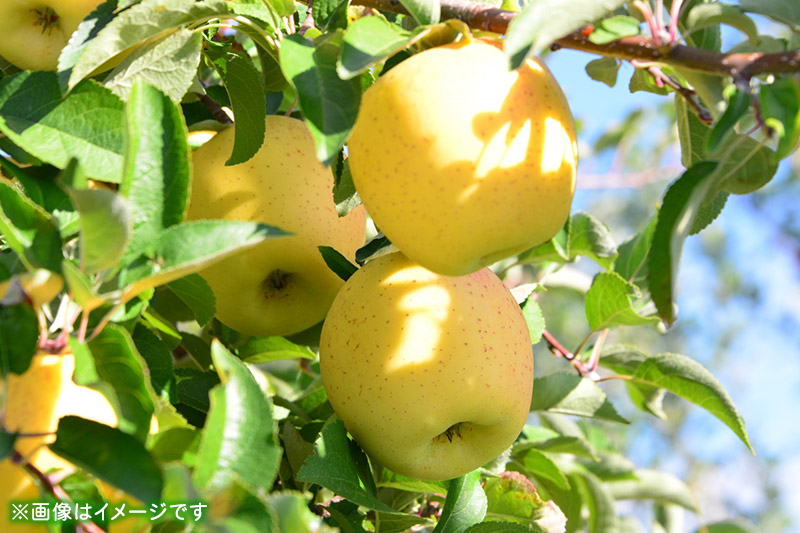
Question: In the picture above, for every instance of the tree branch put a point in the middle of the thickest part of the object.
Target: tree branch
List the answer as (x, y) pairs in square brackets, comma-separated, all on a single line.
[(484, 17)]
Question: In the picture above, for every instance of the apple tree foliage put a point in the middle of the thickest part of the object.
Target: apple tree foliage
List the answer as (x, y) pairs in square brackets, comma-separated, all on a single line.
[(244, 422)]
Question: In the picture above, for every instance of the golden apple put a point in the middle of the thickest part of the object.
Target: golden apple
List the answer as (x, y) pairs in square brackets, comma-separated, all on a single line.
[(35, 401), (431, 375), (283, 285), (461, 162), (35, 31)]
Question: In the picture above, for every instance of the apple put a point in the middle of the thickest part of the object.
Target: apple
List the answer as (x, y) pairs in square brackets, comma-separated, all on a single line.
[(432, 375), (283, 285), (35, 401), (461, 162), (35, 31)]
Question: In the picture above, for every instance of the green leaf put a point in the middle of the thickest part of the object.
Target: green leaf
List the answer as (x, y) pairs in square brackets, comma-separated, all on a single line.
[(602, 516), (703, 15), (82, 288), (641, 80), (543, 21), (556, 249), (157, 356), (631, 263), (738, 104), (330, 14), (374, 248), (239, 441), (604, 69), (511, 497), (625, 360), (368, 41), (780, 102), (397, 481), (142, 21), (498, 527), (653, 485), (572, 395), (189, 247), (344, 190), (177, 55), (613, 29), (292, 512), (678, 211), (329, 104), (87, 30), (424, 11), (337, 262), (590, 237), (708, 212), (87, 124), (28, 230), (784, 11), (19, 337), (110, 364), (690, 380), (609, 465), (245, 89), (109, 454), (333, 466), (464, 506), (105, 222), (609, 304), (692, 134), (195, 292), (541, 466), (728, 527), (534, 318), (264, 349)]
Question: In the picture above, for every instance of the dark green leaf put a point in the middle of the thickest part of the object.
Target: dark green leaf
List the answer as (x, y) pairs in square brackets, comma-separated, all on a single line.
[(631, 263), (330, 14), (604, 69), (19, 337), (333, 466), (465, 505), (738, 104), (543, 21), (706, 14), (641, 80), (372, 249), (728, 527), (109, 454), (177, 54), (239, 441), (110, 364), (87, 124), (780, 102), (330, 104), (157, 356), (142, 21), (245, 89), (572, 395), (678, 210), (28, 229), (690, 380), (197, 295), (337, 262), (590, 237), (708, 212), (369, 40)]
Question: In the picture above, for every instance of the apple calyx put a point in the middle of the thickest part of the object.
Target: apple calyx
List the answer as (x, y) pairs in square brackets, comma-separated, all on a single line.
[(452, 431), (47, 18), (276, 282)]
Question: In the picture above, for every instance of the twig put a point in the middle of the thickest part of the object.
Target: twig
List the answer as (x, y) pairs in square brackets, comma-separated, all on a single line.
[(688, 94), (216, 110), (308, 22), (484, 17)]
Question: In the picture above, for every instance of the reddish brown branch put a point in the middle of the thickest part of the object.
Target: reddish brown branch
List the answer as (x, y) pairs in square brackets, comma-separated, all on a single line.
[(484, 17)]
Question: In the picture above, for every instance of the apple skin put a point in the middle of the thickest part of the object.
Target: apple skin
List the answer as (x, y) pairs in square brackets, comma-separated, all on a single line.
[(283, 285), (26, 43), (462, 163), (35, 401), (406, 354)]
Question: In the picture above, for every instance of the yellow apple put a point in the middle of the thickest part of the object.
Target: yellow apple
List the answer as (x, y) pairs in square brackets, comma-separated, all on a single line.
[(283, 285), (34, 401), (432, 375), (35, 31), (461, 162)]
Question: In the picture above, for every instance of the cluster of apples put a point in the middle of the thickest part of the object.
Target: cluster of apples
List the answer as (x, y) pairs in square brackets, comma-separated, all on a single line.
[(424, 354)]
